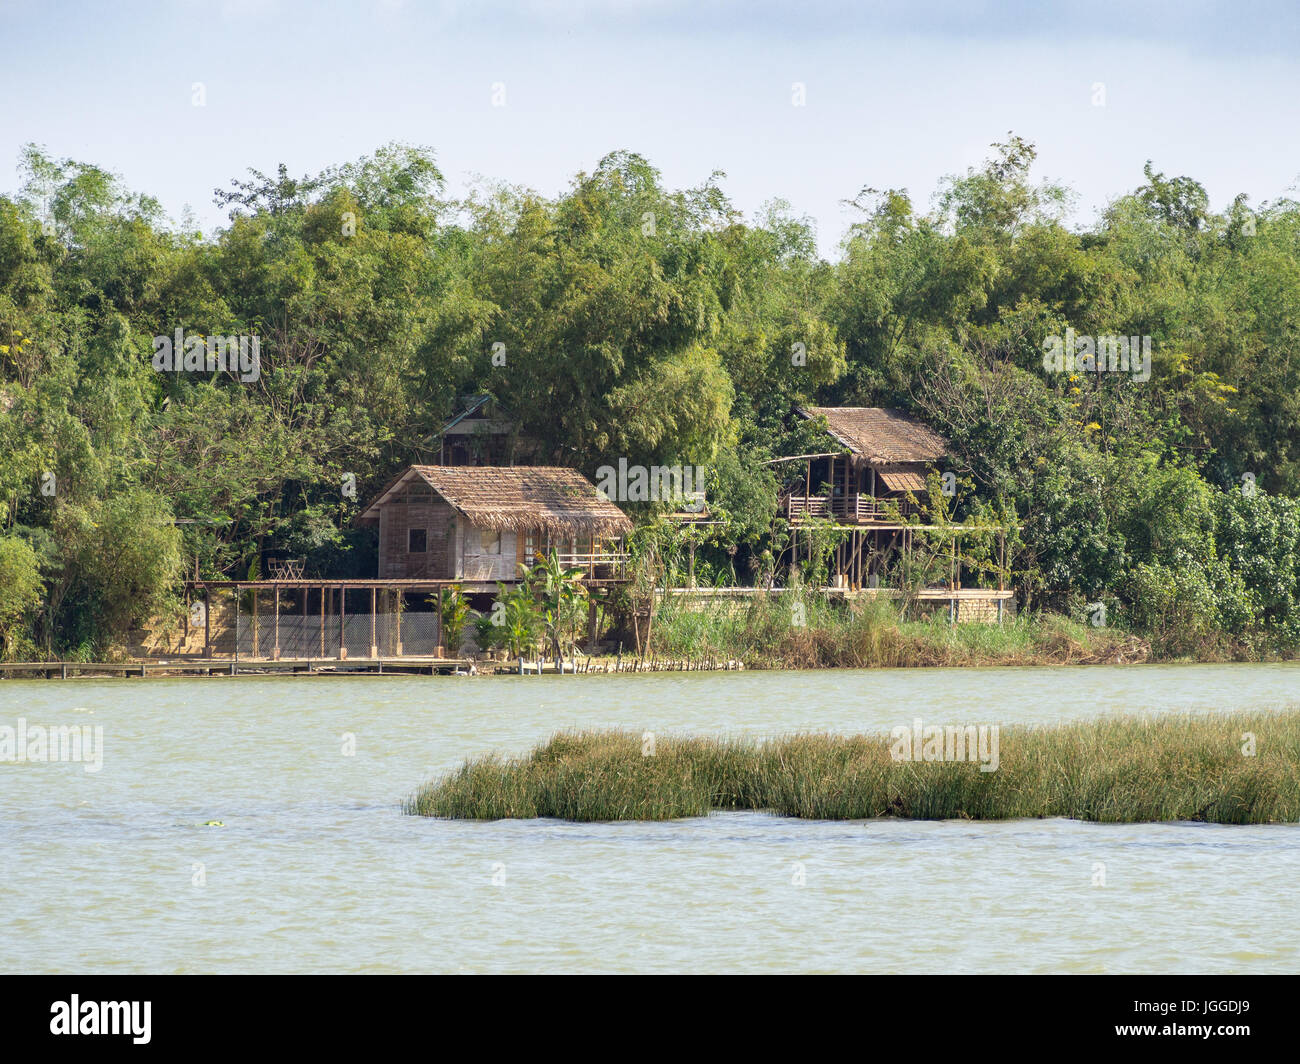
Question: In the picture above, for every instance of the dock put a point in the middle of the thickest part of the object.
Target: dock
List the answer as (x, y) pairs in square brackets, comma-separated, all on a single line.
[(67, 670)]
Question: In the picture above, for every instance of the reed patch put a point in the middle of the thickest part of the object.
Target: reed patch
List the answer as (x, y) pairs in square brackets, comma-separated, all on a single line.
[(1240, 768)]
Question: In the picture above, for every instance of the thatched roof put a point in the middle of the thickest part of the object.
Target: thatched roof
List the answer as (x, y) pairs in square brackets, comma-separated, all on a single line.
[(510, 498), (880, 435)]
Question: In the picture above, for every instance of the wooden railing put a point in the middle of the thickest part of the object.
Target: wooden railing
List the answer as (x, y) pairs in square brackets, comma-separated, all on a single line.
[(851, 509), (603, 565), (800, 507)]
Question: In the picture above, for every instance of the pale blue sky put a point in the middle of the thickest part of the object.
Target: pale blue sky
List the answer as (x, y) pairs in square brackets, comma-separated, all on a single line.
[(897, 93)]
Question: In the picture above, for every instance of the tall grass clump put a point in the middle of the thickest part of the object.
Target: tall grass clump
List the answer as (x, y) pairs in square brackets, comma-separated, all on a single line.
[(802, 629), (1114, 770)]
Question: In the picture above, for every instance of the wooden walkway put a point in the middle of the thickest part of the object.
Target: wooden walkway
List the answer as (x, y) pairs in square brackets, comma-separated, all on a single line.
[(67, 670)]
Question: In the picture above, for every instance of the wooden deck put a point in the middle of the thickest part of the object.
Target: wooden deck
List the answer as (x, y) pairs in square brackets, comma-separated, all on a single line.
[(67, 670)]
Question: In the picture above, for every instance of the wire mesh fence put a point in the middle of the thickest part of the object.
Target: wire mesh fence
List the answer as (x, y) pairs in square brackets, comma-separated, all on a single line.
[(296, 636), (301, 628)]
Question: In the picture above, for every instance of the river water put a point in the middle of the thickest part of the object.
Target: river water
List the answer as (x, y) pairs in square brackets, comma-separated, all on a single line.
[(315, 869)]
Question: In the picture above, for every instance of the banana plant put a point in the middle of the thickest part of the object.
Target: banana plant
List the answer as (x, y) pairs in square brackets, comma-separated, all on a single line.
[(560, 593)]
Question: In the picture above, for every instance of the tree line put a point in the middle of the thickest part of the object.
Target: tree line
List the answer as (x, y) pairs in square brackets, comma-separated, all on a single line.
[(626, 319)]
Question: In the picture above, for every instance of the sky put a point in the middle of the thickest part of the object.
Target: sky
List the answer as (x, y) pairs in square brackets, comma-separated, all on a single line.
[(803, 102)]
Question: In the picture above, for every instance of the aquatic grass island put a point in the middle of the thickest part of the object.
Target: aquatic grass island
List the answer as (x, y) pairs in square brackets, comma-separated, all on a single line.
[(1236, 768)]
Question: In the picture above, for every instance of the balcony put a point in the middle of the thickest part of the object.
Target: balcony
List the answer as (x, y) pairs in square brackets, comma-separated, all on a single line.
[(851, 509), (596, 565)]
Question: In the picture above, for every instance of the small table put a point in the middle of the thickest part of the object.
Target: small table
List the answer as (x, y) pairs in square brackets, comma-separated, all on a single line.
[(286, 568)]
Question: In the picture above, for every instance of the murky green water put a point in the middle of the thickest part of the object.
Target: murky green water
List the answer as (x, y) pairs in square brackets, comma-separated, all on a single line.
[(316, 870)]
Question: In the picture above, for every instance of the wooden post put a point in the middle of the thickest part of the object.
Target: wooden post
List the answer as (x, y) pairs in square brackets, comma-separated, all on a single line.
[(343, 620), (449, 651), (952, 581), (237, 604), (397, 612), (207, 622), (1002, 569), (374, 645), (275, 653), (322, 620)]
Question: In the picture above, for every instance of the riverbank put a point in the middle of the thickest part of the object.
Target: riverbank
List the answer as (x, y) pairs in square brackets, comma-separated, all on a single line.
[(1238, 768), (787, 631)]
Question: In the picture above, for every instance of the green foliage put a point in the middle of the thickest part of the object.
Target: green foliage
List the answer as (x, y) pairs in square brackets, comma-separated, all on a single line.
[(456, 614), (21, 590), (515, 623), (627, 319), (560, 596)]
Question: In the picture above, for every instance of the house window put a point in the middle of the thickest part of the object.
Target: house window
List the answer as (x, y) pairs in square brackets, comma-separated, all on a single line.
[(417, 541), (491, 542)]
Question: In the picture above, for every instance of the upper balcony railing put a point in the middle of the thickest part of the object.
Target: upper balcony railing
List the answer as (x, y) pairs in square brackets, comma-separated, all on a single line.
[(854, 508)]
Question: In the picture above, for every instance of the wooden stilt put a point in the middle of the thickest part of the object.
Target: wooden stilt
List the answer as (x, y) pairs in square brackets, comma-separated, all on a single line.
[(343, 620), (374, 644)]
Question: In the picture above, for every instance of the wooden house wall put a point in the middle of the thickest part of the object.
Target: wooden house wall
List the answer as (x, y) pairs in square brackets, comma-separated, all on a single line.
[(396, 519), (455, 545)]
